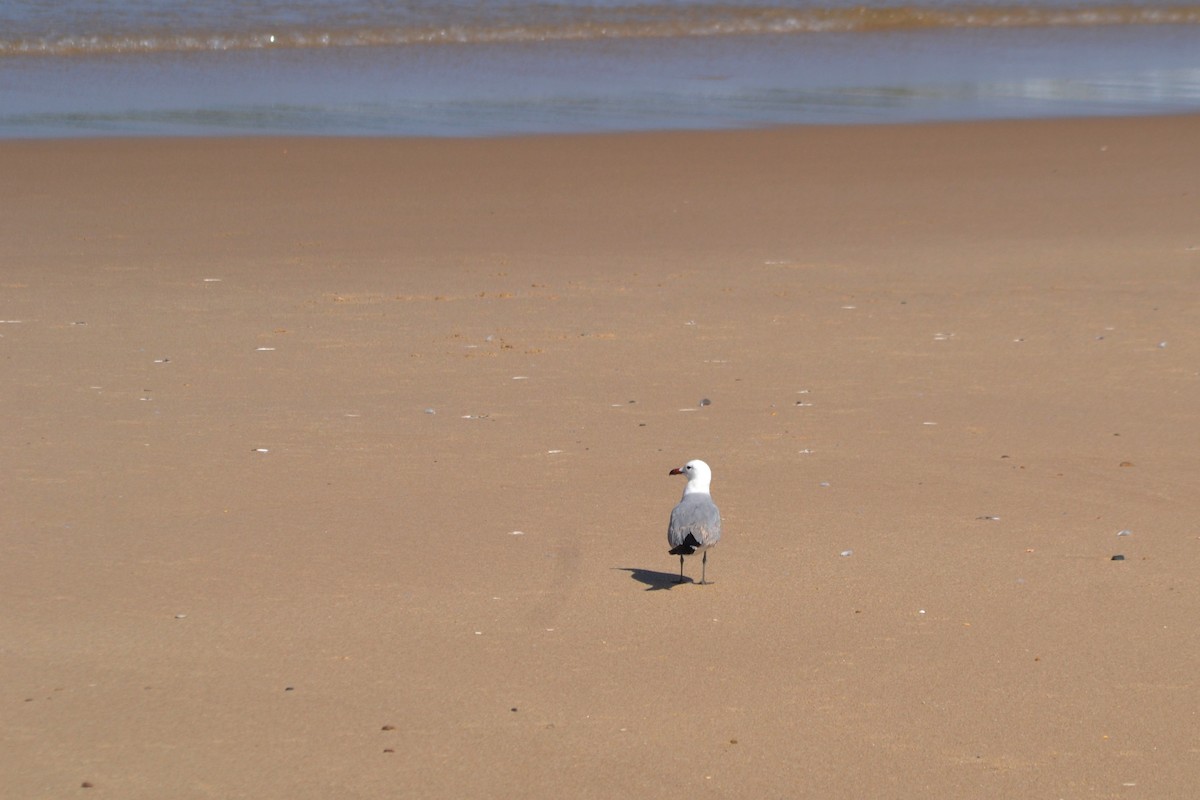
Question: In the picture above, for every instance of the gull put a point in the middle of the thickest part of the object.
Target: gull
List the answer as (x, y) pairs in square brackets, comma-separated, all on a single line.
[(695, 522)]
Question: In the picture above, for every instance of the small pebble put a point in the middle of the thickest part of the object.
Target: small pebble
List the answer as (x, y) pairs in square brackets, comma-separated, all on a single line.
[(706, 402), (1125, 532), (846, 553), (1118, 557), (388, 728)]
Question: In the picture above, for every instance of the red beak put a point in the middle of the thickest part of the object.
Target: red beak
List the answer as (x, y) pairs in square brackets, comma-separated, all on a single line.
[(676, 471)]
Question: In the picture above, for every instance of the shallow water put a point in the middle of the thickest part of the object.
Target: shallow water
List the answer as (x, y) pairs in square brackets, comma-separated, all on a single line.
[(165, 67)]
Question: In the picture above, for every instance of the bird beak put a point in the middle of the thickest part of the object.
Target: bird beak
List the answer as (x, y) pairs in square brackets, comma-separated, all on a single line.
[(676, 471)]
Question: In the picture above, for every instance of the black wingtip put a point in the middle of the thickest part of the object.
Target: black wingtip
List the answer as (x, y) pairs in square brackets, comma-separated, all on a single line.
[(689, 545)]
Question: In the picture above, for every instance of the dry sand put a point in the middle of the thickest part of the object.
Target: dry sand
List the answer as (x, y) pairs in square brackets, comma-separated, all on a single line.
[(275, 411)]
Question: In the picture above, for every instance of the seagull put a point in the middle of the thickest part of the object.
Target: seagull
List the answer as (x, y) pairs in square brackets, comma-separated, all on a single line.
[(695, 522)]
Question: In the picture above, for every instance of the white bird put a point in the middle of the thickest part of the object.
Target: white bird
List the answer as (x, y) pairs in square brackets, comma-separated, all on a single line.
[(695, 522)]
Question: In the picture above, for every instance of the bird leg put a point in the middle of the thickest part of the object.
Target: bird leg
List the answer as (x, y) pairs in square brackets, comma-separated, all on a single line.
[(703, 567), (680, 570)]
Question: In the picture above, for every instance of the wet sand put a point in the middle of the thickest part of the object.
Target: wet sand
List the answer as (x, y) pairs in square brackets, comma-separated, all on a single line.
[(338, 468)]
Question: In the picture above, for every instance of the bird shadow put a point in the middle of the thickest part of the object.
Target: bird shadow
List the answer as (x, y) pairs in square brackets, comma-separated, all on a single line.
[(653, 579)]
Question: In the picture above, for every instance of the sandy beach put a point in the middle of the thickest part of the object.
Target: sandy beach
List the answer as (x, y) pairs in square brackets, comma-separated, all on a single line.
[(338, 468)]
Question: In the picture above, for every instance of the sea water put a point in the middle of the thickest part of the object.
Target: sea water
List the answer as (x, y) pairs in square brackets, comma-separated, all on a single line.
[(436, 68)]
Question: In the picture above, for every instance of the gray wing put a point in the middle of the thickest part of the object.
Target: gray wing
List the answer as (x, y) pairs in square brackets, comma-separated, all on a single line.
[(698, 515)]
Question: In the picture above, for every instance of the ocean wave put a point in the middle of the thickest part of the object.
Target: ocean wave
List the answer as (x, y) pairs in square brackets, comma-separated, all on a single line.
[(695, 22)]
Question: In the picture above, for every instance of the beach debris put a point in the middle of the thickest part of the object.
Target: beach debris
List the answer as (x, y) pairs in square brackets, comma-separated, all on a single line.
[(263, 349), (929, 423), (516, 533), (475, 416), (824, 484), (849, 308), (943, 337), (803, 404), (162, 361), (1125, 532), (1125, 464), (1162, 345), (260, 450), (846, 553), (212, 280), (430, 411), (181, 616), (520, 377), (806, 451), (990, 518), (705, 402), (1118, 557), (553, 452)]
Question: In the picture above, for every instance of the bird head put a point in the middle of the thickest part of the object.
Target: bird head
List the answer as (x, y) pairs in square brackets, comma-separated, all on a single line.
[(699, 476)]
